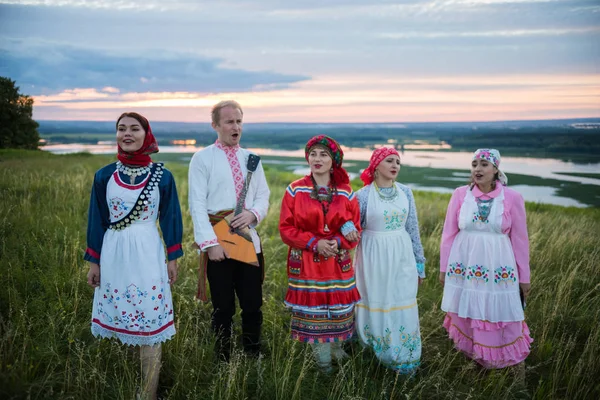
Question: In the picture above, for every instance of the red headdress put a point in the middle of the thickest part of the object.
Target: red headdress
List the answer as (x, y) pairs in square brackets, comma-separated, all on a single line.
[(368, 175), (141, 156), (334, 149)]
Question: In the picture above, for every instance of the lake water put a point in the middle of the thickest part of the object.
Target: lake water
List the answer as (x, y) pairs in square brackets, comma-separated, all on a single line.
[(540, 167)]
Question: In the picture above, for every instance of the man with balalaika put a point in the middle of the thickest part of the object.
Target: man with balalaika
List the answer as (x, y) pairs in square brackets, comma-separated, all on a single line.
[(228, 197)]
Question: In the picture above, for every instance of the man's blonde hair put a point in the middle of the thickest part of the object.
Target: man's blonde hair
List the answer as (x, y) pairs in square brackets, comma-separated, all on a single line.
[(215, 113)]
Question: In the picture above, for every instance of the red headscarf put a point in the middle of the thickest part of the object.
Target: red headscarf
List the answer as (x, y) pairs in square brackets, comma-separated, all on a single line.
[(368, 175), (140, 157), (334, 150)]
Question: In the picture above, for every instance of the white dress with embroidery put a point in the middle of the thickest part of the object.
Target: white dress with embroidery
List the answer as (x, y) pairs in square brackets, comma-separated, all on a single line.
[(134, 301), (482, 276), (387, 318)]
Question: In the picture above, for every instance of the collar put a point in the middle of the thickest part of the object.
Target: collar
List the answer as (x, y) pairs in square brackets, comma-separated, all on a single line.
[(494, 193), (227, 149)]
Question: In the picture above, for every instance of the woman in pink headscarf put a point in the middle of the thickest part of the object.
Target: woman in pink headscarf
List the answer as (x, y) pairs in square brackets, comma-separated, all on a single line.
[(389, 264), (484, 261)]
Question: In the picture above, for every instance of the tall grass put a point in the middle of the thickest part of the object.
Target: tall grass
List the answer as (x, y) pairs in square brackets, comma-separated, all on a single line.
[(48, 352)]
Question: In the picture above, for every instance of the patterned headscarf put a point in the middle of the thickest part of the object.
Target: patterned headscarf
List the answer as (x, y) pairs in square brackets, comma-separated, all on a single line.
[(493, 156), (141, 156), (334, 150), (368, 175)]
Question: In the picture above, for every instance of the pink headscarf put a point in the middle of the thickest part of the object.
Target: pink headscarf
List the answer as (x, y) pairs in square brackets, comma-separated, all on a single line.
[(368, 175)]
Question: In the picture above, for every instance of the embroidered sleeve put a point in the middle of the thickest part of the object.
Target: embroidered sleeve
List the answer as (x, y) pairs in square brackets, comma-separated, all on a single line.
[(353, 211), (98, 217), (347, 228), (363, 199), (519, 237), (170, 216), (450, 227), (198, 181), (412, 227)]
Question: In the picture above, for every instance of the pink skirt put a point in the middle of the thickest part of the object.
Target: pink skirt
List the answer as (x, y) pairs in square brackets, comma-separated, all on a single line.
[(491, 344)]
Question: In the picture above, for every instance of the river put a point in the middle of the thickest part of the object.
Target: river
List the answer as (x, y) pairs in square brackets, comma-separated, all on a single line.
[(539, 167)]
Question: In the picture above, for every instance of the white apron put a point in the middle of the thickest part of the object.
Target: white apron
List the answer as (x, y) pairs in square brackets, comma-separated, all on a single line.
[(133, 302), (387, 318), (482, 280)]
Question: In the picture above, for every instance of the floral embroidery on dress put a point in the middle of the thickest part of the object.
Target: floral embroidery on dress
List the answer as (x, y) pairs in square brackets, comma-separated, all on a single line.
[(410, 341), (478, 273), (456, 270), (148, 210), (395, 220), (505, 275), (117, 207), (379, 344), (112, 308)]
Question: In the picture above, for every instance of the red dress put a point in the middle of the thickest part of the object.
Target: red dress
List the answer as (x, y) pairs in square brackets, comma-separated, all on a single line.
[(321, 292)]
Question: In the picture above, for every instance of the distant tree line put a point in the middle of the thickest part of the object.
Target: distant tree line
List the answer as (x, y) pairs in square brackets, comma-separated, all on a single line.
[(17, 127)]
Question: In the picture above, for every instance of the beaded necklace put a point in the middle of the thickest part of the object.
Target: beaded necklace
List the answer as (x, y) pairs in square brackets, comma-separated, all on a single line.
[(324, 199), (386, 197), (133, 172)]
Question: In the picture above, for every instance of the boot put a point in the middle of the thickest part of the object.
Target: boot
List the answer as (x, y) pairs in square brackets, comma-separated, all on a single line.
[(251, 339), (337, 352), (322, 353)]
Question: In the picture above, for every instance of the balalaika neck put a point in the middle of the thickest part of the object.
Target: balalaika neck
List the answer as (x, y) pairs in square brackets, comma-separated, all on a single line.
[(239, 207)]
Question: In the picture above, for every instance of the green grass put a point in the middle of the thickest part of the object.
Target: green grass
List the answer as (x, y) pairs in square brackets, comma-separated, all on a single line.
[(48, 352)]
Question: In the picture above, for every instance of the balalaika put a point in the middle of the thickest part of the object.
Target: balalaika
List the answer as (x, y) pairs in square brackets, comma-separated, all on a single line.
[(238, 242)]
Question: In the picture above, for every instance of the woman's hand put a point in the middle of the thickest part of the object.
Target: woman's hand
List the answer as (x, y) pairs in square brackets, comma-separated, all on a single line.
[(172, 271), (525, 288), (93, 275), (327, 248), (421, 280), (353, 236), (442, 278)]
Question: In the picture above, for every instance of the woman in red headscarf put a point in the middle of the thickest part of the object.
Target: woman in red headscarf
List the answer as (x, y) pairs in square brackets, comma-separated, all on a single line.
[(132, 297), (389, 265), (318, 214)]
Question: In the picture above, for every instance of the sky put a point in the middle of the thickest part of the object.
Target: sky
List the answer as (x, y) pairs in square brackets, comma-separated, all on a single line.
[(305, 60)]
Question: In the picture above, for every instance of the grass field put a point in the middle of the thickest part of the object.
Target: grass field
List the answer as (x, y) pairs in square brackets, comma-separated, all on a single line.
[(48, 352)]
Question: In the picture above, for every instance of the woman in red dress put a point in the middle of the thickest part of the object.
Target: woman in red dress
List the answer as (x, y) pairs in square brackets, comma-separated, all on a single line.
[(320, 221)]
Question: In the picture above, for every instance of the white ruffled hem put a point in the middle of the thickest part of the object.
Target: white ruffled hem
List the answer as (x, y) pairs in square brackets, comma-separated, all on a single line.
[(484, 306), (133, 340)]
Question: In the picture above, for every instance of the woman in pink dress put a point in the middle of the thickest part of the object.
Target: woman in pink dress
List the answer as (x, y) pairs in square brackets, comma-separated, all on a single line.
[(484, 267)]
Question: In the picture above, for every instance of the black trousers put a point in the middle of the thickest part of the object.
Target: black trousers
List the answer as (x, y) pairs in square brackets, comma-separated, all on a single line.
[(227, 279)]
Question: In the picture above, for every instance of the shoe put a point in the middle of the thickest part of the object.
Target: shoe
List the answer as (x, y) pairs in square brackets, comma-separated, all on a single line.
[(338, 353)]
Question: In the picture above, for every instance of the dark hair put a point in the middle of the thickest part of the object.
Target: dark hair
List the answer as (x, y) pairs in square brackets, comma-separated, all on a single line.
[(138, 117)]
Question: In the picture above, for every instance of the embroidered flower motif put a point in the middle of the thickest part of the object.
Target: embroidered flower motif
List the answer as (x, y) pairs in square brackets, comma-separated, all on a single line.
[(395, 220), (505, 275), (456, 270), (126, 313), (478, 273), (117, 207), (379, 344)]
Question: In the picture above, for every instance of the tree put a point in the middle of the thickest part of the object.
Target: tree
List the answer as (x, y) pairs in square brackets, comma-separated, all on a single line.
[(17, 128)]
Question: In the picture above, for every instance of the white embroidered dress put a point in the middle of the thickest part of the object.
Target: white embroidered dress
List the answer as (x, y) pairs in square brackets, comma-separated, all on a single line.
[(387, 318), (133, 302), (482, 280)]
